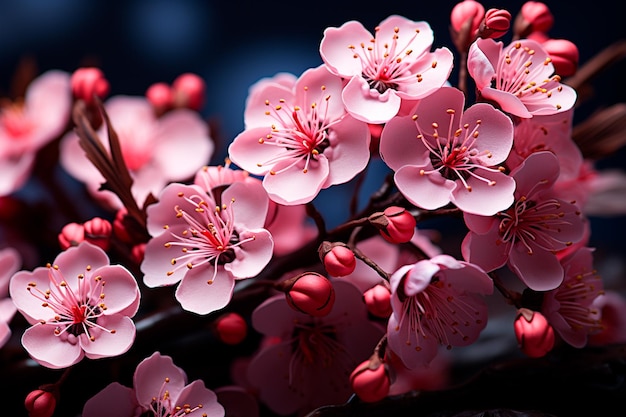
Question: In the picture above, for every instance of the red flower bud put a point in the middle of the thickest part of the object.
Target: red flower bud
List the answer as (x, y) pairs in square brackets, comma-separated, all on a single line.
[(378, 301), (338, 259), (137, 252), (395, 224), (87, 83), (538, 15), (370, 380), (71, 235), (40, 403), (496, 23), (98, 232), (161, 96), (231, 328), (310, 293), (189, 91), (464, 11), (564, 56), (534, 334)]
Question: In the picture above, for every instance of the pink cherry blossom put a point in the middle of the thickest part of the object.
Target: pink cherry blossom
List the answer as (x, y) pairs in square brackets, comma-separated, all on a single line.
[(384, 70), (206, 243), (442, 154), (156, 150), (519, 78), (299, 137), (72, 312), (612, 308), (527, 236), (27, 125), (10, 261), (310, 361), (160, 389), (436, 302), (570, 307)]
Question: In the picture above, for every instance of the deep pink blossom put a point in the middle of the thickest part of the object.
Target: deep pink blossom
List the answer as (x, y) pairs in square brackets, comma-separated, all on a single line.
[(309, 363), (27, 125), (10, 262), (393, 65), (612, 308), (519, 78), (527, 236), (160, 389), (299, 136), (156, 150), (436, 302), (206, 242), (72, 312), (442, 153)]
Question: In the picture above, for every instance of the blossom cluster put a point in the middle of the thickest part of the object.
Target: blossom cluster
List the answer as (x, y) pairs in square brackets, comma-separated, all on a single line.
[(234, 259)]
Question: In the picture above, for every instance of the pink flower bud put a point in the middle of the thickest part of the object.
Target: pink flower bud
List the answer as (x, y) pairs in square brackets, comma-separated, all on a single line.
[(98, 232), (537, 15), (189, 91), (338, 259), (464, 11), (564, 56), (231, 328), (497, 23), (87, 83), (71, 235), (310, 293), (40, 403), (137, 253), (119, 227), (534, 334), (378, 301), (395, 224), (370, 381), (161, 96)]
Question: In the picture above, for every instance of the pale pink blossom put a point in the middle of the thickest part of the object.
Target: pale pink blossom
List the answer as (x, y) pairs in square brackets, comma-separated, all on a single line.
[(10, 261), (72, 312), (29, 124), (443, 153), (570, 307), (308, 365), (436, 302), (519, 78), (527, 236), (299, 136), (156, 150), (206, 242), (394, 65), (160, 389)]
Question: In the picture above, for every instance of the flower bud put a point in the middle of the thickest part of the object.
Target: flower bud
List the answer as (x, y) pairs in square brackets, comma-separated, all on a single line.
[(496, 23), (338, 259), (98, 232), (119, 227), (370, 380), (161, 96), (40, 403), (395, 224), (87, 83), (71, 235), (467, 10), (534, 16), (534, 334), (189, 91), (231, 328), (378, 301), (137, 253), (564, 56), (310, 293)]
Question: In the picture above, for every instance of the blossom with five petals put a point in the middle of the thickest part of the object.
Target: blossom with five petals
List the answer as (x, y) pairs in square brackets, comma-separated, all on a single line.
[(206, 241), (518, 77), (383, 70), (299, 136), (442, 154), (72, 312), (160, 389)]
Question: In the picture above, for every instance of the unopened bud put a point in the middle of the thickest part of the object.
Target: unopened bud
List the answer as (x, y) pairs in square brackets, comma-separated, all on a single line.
[(40, 403), (564, 56), (71, 235), (534, 16), (310, 293), (137, 253), (370, 380), (395, 224), (87, 83), (467, 10), (378, 301), (534, 334), (338, 259), (98, 232), (189, 91), (161, 96), (231, 328), (496, 23)]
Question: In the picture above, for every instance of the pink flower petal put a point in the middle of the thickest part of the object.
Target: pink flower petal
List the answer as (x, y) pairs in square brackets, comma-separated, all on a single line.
[(115, 399), (426, 191), (541, 270), (197, 296), (293, 186), (150, 375), (252, 256), (110, 344), (369, 105), (49, 350)]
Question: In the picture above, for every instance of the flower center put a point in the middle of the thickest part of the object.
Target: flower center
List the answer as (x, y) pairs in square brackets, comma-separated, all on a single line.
[(14, 121), (162, 406)]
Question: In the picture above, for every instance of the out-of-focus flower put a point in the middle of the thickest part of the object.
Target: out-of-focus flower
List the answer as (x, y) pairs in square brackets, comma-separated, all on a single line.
[(611, 307), (299, 136), (237, 401), (206, 242), (436, 302), (231, 328), (518, 78), (189, 91), (89, 82), (310, 361), (564, 55), (10, 262), (395, 224), (382, 70), (338, 259), (72, 312), (370, 380), (465, 19), (535, 336), (310, 293), (160, 389), (161, 97), (40, 403), (71, 235), (30, 123), (443, 153), (534, 16), (156, 150)]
